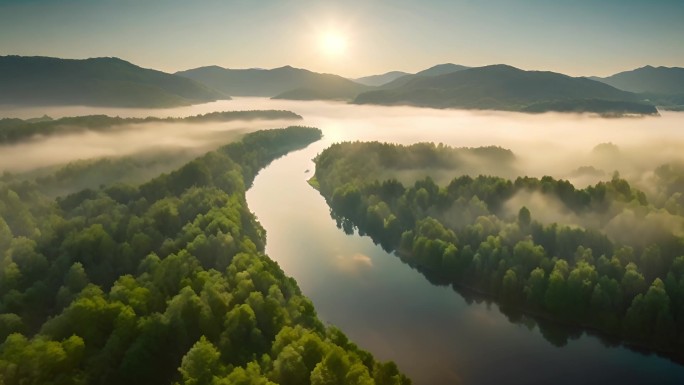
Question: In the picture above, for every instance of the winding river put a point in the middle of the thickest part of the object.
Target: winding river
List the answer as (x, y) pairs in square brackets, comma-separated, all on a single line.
[(432, 332), (436, 335)]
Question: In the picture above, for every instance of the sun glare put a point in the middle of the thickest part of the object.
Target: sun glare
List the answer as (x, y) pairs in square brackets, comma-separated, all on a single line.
[(333, 44)]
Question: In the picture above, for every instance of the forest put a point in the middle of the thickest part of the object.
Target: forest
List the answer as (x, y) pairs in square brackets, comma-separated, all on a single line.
[(607, 258), (162, 282), (13, 130)]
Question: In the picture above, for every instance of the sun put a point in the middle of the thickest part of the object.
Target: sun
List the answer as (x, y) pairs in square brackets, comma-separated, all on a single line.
[(333, 44)]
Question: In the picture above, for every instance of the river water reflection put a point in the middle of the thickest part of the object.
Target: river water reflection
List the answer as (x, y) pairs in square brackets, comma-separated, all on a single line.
[(434, 334), (385, 306)]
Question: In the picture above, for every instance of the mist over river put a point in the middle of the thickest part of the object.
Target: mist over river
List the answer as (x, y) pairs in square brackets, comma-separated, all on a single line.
[(435, 334)]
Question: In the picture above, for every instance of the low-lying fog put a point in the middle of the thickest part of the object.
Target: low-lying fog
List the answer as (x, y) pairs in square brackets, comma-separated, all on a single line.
[(561, 145), (188, 140)]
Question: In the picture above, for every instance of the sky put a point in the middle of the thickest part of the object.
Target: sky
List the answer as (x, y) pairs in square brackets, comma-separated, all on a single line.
[(352, 38)]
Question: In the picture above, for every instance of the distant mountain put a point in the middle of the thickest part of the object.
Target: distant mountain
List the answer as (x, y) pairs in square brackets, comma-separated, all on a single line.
[(284, 82), (321, 92), (655, 80), (378, 80), (439, 69), (95, 82), (663, 86), (442, 69), (502, 87)]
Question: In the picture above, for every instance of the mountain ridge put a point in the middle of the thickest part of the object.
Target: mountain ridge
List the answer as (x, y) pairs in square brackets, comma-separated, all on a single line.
[(504, 87), (663, 86), (648, 79), (273, 82), (102, 81), (378, 80), (436, 70)]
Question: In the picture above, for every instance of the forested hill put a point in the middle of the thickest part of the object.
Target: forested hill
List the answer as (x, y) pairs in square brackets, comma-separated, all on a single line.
[(16, 130), (284, 82), (162, 283), (650, 80), (502, 87), (397, 78), (609, 261), (437, 70), (378, 80), (663, 86), (95, 82)]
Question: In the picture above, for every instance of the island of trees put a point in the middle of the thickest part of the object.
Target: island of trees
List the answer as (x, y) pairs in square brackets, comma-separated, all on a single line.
[(616, 268), (163, 282)]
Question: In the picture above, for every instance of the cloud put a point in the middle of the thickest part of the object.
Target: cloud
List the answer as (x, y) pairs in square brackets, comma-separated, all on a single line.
[(353, 263)]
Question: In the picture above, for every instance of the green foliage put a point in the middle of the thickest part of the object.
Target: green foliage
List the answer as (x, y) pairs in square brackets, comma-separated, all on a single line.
[(467, 234), (201, 363), (159, 283), (524, 217), (41, 361), (393, 166)]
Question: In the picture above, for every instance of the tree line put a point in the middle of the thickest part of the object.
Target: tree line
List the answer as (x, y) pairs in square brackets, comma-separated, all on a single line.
[(163, 282), (464, 234), (13, 130)]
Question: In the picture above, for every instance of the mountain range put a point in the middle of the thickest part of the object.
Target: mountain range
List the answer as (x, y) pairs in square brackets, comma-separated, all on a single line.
[(648, 79), (502, 87), (95, 82), (284, 82), (378, 80), (115, 82), (397, 78), (663, 86), (439, 69)]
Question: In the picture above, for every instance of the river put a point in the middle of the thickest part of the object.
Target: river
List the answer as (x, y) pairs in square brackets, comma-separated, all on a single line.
[(436, 335)]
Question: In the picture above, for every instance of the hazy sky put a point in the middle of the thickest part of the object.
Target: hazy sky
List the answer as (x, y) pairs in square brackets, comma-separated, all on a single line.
[(578, 37)]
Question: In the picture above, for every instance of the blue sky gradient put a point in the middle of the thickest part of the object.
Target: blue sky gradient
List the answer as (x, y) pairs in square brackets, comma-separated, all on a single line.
[(579, 37)]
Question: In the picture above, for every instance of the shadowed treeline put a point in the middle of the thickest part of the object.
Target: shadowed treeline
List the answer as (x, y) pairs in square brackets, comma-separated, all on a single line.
[(618, 269)]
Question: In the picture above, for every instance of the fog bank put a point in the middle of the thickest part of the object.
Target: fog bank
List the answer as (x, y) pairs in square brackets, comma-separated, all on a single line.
[(188, 139), (560, 145)]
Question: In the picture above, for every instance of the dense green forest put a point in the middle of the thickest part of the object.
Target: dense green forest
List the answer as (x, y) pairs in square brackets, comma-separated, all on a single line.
[(83, 174), (615, 264), (13, 130), (163, 282)]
